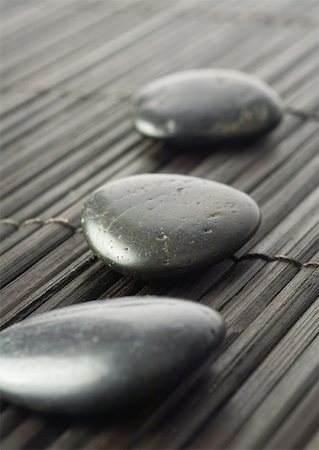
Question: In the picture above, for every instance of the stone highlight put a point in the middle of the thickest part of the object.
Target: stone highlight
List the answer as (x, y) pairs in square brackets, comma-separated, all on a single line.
[(105, 355)]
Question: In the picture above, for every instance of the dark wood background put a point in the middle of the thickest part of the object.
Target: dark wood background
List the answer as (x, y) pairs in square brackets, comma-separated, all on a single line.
[(68, 69)]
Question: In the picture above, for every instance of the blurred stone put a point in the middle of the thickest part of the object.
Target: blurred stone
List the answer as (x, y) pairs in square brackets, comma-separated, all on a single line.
[(105, 355), (210, 105)]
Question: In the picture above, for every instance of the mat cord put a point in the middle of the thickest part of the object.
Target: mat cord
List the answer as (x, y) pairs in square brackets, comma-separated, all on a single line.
[(66, 223), (304, 115), (275, 258), (98, 95), (38, 221)]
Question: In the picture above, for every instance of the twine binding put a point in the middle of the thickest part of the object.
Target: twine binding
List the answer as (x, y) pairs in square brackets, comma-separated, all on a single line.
[(66, 223), (38, 221), (275, 258), (100, 95), (304, 115)]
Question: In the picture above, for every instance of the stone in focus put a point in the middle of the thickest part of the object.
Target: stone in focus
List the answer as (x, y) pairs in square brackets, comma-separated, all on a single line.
[(104, 355), (206, 105), (156, 225)]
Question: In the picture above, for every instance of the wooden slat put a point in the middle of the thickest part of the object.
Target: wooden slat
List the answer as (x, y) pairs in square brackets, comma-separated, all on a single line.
[(68, 69)]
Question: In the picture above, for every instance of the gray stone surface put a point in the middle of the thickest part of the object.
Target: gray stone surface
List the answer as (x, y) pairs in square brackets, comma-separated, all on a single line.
[(157, 225), (206, 105), (104, 355)]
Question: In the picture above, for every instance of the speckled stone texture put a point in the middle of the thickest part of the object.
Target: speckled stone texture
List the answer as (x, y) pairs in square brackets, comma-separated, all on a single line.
[(158, 225)]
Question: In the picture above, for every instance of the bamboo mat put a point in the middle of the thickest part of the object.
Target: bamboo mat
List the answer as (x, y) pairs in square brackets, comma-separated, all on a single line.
[(68, 69)]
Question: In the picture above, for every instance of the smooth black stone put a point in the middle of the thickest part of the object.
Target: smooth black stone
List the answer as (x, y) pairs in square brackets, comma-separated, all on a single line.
[(157, 225), (206, 105), (105, 355)]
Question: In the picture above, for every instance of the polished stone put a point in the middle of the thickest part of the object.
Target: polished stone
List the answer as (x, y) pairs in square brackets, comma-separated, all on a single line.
[(105, 355), (159, 224), (206, 105)]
